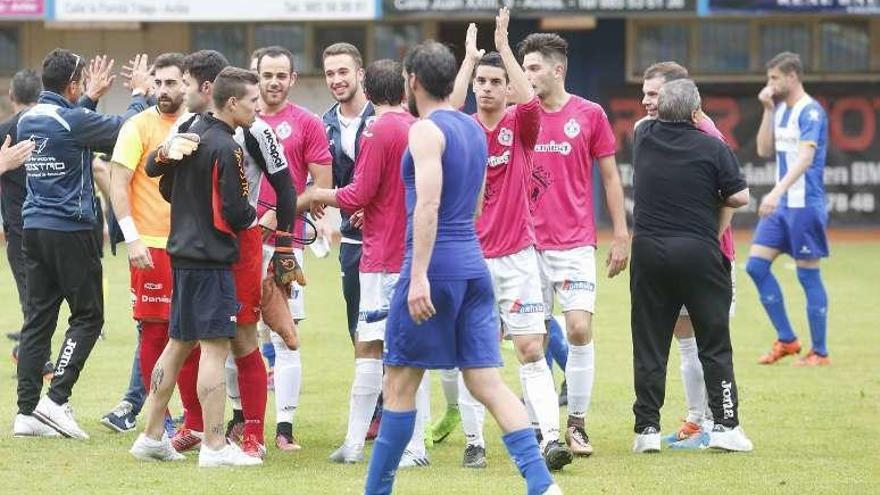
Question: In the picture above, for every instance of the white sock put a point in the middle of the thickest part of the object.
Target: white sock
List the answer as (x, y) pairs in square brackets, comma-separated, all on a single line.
[(538, 381), (692, 378), (579, 373), (533, 418), (288, 380), (449, 384), (423, 417), (364, 393), (472, 415), (232, 390)]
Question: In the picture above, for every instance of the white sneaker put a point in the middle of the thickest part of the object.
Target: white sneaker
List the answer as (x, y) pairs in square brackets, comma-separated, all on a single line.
[(647, 442), (230, 455), (553, 490), (410, 459), (26, 425), (60, 418), (147, 449), (348, 454), (729, 439)]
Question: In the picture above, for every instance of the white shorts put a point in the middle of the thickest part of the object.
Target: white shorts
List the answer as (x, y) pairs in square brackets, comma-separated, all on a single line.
[(517, 293), (297, 301), (684, 311), (376, 292), (570, 275)]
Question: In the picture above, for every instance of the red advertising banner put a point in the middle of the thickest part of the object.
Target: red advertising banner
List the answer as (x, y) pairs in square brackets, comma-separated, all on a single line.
[(18, 9)]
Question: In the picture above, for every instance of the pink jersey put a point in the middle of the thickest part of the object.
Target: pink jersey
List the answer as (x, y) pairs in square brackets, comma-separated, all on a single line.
[(561, 189), (728, 248), (378, 189), (505, 227), (302, 135)]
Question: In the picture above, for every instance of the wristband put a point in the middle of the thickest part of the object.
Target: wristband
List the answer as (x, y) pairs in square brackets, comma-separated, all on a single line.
[(129, 231)]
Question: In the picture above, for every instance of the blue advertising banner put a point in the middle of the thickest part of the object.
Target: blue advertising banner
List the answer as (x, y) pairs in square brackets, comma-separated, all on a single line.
[(740, 7)]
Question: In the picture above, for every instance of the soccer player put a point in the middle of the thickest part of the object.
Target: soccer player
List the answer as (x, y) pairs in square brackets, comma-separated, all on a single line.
[(145, 219), (443, 313), (306, 148), (793, 214), (209, 205), (377, 189), (505, 228), (682, 177), (574, 133), (62, 254), (698, 422)]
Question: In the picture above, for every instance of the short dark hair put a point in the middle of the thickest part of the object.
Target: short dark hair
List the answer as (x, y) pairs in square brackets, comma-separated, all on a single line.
[(256, 54), (669, 71), (344, 49), (384, 83), (493, 59), (549, 45), (435, 67), (205, 65), (60, 68), (172, 59), (232, 83), (275, 51), (25, 87), (787, 62)]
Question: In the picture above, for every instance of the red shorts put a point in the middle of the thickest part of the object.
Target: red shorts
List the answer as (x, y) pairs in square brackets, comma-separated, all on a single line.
[(248, 278), (151, 288)]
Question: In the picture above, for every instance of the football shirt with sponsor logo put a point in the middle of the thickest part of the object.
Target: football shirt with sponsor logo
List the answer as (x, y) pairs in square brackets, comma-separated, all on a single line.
[(805, 122), (561, 189), (378, 189), (137, 138), (505, 226)]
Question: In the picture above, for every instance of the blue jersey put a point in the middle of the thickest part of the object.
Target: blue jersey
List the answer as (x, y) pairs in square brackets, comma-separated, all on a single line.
[(457, 254), (806, 121)]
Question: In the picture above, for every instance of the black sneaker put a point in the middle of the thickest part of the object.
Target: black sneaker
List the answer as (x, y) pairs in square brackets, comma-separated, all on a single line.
[(557, 455), (474, 457), (563, 394)]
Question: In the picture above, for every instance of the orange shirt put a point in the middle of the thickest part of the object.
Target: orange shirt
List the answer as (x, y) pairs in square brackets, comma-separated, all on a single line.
[(140, 135)]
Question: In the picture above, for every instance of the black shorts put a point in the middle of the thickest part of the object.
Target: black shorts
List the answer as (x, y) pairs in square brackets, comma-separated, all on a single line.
[(203, 304)]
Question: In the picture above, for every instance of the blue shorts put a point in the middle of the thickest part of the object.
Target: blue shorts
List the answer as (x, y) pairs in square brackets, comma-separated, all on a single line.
[(203, 304), (798, 232), (465, 332)]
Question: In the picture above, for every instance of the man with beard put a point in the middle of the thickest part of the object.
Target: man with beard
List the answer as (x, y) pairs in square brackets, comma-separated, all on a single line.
[(145, 219), (307, 151), (507, 234)]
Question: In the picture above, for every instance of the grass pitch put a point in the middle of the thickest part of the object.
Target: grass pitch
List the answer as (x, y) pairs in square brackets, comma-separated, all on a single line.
[(815, 430)]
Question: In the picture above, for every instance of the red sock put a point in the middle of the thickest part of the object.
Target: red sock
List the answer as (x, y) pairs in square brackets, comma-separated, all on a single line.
[(154, 336), (252, 387), (187, 384)]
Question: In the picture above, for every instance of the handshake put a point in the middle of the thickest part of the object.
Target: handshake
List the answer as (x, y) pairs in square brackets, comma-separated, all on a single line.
[(177, 146)]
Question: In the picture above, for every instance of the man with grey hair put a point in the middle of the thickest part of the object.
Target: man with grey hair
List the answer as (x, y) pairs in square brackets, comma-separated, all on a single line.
[(682, 179)]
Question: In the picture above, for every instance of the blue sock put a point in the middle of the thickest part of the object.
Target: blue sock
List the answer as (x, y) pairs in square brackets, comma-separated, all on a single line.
[(771, 297), (523, 449), (269, 353), (557, 347), (817, 306), (394, 433)]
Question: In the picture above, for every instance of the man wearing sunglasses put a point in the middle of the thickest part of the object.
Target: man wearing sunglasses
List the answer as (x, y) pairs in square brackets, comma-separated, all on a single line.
[(61, 251)]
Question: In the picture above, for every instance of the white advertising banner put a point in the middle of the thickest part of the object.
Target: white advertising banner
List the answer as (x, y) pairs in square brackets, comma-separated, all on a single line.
[(211, 10)]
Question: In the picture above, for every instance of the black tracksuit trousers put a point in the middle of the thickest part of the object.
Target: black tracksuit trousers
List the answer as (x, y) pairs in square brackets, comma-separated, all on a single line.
[(668, 273), (59, 266)]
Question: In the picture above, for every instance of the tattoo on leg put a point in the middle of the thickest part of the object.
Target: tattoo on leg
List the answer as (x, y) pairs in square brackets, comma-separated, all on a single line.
[(207, 391), (217, 429), (156, 379)]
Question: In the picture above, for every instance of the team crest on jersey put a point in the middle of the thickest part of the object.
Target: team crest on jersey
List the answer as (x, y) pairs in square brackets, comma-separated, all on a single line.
[(505, 136), (284, 130), (572, 128)]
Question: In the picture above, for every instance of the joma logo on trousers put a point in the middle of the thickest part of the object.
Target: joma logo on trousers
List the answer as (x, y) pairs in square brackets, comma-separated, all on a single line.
[(727, 399), (64, 360)]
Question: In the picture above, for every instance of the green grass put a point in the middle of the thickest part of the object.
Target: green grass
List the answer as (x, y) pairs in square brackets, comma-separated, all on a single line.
[(815, 430)]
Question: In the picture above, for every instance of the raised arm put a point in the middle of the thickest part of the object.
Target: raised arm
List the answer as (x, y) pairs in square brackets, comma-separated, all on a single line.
[(765, 131), (472, 56), (520, 89)]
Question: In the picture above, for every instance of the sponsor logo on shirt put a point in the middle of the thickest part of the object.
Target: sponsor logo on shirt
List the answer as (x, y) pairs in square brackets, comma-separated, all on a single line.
[(152, 286), (40, 143), (563, 148), (284, 130), (505, 136), (155, 299), (579, 285), (572, 128), (274, 152), (497, 161), (519, 307)]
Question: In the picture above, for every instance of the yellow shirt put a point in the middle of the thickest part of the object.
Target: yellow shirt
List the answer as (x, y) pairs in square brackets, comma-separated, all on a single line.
[(139, 136)]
